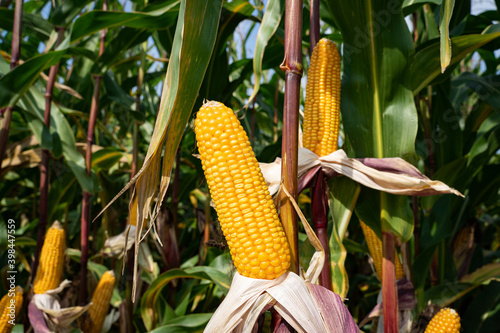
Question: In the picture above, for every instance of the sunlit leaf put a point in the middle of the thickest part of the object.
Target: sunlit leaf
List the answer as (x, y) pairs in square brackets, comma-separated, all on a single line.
[(373, 70), (268, 26), (16, 82), (426, 65), (343, 195), (449, 292), (33, 104), (96, 20), (191, 323), (150, 297), (444, 29)]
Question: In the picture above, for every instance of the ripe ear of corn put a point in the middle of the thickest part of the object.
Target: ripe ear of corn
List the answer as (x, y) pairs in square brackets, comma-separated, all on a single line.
[(10, 307), (445, 321), (50, 268), (93, 321), (245, 209), (322, 108), (376, 251)]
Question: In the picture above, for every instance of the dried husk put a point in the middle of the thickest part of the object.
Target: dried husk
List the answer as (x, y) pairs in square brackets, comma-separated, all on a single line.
[(57, 319), (392, 175)]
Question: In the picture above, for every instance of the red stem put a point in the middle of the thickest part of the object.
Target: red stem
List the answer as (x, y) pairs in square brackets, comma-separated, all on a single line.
[(4, 132), (85, 221), (319, 190), (275, 109), (314, 24), (44, 166), (6, 113), (292, 66), (389, 290), (320, 219)]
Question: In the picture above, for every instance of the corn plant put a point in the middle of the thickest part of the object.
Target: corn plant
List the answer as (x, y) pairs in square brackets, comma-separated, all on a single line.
[(380, 203)]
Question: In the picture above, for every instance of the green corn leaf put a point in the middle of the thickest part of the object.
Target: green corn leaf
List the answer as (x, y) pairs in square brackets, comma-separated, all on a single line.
[(444, 30)]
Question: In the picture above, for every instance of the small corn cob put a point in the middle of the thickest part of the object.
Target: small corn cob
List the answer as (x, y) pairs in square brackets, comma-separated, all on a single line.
[(445, 321), (50, 268), (322, 108), (246, 211), (101, 298), (10, 307), (376, 251)]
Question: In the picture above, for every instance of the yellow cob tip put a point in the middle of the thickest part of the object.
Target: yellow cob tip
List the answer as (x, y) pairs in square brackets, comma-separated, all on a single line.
[(322, 107), (101, 299), (446, 320), (10, 307), (245, 209), (376, 252), (50, 269)]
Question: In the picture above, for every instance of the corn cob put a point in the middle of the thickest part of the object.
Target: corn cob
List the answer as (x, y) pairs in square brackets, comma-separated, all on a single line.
[(322, 108), (376, 251), (101, 298), (246, 211), (445, 321), (10, 307), (50, 268)]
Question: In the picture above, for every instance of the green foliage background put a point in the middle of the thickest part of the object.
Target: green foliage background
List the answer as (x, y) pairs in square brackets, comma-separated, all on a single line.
[(396, 101)]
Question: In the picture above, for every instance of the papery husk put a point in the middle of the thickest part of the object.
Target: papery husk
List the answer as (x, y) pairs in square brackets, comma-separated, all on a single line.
[(269, 171), (392, 175), (65, 283), (57, 319), (112, 317), (409, 182), (406, 304), (333, 309), (114, 246), (247, 298), (37, 319), (291, 297)]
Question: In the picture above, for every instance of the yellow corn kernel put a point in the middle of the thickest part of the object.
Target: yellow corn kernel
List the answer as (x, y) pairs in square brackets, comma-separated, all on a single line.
[(246, 211), (376, 251), (322, 108), (94, 319), (10, 307), (445, 321), (50, 268)]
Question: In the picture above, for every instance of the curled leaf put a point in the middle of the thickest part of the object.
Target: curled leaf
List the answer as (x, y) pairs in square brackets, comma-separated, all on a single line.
[(114, 246), (57, 319), (392, 175), (333, 309), (37, 319)]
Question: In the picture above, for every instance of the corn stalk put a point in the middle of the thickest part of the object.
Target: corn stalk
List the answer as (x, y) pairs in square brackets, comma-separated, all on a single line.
[(44, 166), (314, 24), (319, 190), (14, 60), (292, 67), (85, 220)]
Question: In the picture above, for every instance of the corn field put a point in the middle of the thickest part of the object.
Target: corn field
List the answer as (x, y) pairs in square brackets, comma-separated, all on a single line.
[(250, 166)]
